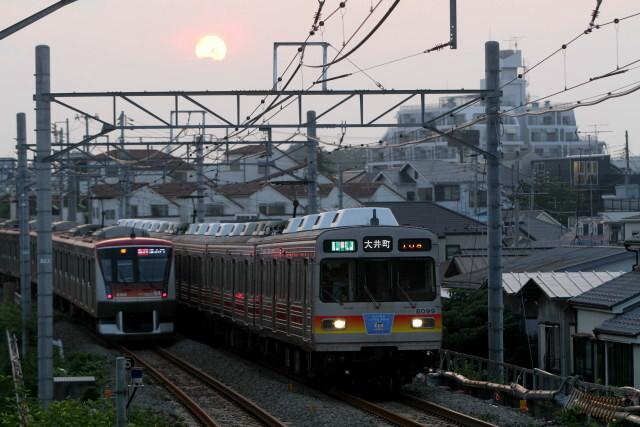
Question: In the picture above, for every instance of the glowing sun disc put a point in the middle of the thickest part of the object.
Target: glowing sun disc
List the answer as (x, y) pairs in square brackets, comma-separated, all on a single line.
[(211, 47)]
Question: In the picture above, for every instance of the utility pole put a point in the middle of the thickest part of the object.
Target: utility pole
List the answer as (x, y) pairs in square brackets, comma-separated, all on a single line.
[(340, 189), (72, 195), (121, 392), (44, 241), (124, 172), (495, 304), (200, 177), (22, 191), (312, 163), (516, 210), (627, 172)]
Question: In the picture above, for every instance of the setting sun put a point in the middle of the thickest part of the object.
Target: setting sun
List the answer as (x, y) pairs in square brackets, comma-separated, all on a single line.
[(212, 47)]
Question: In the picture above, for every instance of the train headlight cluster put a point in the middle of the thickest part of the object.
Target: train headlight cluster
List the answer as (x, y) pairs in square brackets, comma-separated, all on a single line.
[(422, 323), (334, 324)]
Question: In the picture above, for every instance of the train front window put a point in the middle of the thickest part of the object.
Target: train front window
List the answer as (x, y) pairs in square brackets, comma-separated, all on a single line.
[(348, 280), (135, 265)]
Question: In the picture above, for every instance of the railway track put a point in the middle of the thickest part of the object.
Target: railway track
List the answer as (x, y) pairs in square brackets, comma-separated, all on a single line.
[(210, 401), (408, 411)]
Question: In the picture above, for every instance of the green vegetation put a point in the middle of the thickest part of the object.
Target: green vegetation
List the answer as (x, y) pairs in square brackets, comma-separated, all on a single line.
[(5, 206), (91, 410), (573, 418), (465, 327)]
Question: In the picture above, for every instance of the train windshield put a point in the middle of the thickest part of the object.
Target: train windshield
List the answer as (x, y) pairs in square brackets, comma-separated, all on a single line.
[(376, 280), (135, 265)]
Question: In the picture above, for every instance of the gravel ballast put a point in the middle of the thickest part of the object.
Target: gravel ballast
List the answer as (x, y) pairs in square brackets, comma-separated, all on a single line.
[(153, 397), (487, 410), (294, 404)]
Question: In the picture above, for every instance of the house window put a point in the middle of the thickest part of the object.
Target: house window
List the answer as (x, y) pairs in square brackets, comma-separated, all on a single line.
[(159, 210), (411, 196), (425, 194), (272, 208), (110, 214), (133, 210), (235, 166), (214, 209), (482, 199), (585, 229), (585, 172), (620, 364), (262, 169), (452, 250), (447, 193), (600, 229)]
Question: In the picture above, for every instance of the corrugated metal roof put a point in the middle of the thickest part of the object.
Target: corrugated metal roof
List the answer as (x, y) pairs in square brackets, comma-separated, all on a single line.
[(558, 284), (564, 258), (611, 293), (627, 324)]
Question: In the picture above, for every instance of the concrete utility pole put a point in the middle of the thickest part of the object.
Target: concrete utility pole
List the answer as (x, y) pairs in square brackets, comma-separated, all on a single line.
[(312, 163), (72, 195), (340, 188), (22, 191), (200, 177), (495, 305), (44, 242), (516, 210), (121, 392), (627, 172)]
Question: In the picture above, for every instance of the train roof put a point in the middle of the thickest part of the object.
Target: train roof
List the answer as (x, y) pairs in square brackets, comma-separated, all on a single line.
[(128, 241)]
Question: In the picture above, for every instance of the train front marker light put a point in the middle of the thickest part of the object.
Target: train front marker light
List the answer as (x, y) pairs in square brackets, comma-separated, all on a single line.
[(164, 294), (109, 296), (417, 323), (334, 324), (339, 323)]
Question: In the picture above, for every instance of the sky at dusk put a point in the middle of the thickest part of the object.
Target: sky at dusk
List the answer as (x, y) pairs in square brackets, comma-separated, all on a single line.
[(100, 45)]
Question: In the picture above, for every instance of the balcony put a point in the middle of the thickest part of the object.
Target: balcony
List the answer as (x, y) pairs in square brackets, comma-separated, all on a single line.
[(623, 205)]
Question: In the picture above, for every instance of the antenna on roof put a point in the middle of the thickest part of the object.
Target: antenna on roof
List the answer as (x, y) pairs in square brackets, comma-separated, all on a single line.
[(133, 233), (374, 219), (296, 203)]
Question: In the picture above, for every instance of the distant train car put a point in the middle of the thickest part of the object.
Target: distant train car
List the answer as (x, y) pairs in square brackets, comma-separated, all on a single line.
[(344, 296), (124, 285)]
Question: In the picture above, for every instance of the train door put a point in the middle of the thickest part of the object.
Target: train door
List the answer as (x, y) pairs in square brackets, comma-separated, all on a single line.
[(273, 280)]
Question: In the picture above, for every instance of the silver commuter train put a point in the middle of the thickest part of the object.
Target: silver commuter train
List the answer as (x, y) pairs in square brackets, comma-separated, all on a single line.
[(339, 299), (125, 285)]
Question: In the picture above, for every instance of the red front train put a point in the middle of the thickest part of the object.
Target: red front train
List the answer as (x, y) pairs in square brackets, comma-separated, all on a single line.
[(124, 285)]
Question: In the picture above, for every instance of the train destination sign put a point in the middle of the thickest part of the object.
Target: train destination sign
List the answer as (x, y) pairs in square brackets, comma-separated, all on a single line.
[(335, 246), (152, 251), (377, 243), (414, 245)]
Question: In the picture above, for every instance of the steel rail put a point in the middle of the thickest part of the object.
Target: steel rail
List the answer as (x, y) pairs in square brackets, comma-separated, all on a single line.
[(372, 408), (243, 402), (442, 412), (196, 410)]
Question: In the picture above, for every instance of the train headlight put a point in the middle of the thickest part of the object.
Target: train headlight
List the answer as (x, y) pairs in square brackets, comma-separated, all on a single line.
[(423, 323), (334, 324), (339, 324)]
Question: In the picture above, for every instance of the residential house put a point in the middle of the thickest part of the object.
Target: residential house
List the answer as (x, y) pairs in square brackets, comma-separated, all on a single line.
[(563, 258), (250, 163), (590, 176), (543, 300), (535, 228), (606, 342), (456, 232)]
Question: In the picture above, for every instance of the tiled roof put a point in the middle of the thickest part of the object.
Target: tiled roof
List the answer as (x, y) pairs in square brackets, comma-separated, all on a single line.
[(611, 293), (240, 189), (557, 284), (434, 217), (362, 190), (293, 191), (175, 190), (626, 324), (111, 191), (146, 158), (247, 150)]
